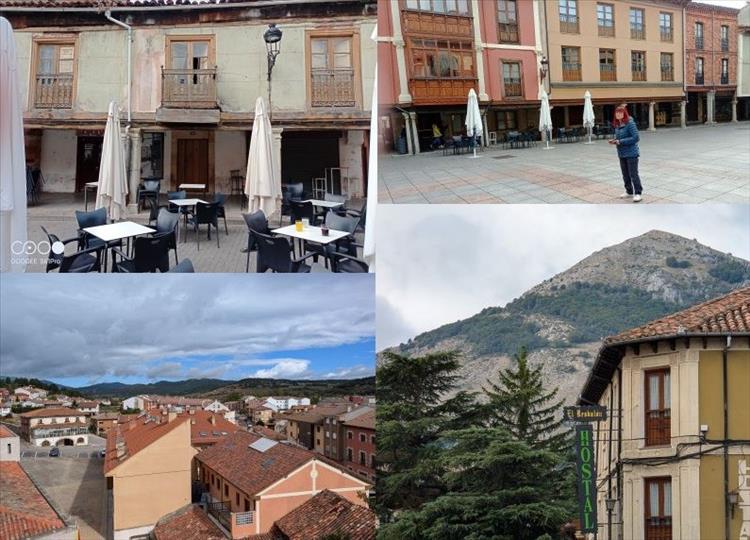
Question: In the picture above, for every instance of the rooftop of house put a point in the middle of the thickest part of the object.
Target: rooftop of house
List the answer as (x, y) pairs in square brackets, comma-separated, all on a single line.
[(188, 523), (136, 435), (366, 420), (51, 413), (5, 432), (207, 427), (318, 414), (249, 469), (725, 315), (24, 512), (327, 514), (268, 433), (88, 404)]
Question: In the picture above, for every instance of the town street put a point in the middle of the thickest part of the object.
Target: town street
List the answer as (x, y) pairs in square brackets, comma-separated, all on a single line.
[(693, 165)]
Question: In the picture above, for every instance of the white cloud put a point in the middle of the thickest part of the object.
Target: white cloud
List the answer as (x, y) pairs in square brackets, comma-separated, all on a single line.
[(351, 372), (284, 369)]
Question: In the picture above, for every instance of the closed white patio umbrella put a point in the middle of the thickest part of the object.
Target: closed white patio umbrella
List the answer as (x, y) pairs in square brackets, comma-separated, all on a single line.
[(368, 250), (263, 180), (588, 114), (112, 191), (12, 158), (545, 117), (474, 126)]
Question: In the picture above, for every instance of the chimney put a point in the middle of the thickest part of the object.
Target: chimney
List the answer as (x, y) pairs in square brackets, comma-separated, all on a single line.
[(171, 416), (212, 419)]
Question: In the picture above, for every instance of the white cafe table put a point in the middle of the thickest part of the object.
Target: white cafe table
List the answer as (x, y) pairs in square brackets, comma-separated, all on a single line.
[(187, 203), (193, 187), (310, 234), (324, 204), (117, 231), (86, 188)]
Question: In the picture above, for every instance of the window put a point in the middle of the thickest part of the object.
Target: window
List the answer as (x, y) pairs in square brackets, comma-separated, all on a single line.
[(637, 27), (372, 439), (372, 461), (9, 449), (724, 71), (667, 70), (605, 17), (698, 35), (607, 65), (247, 505), (665, 26), (152, 155), (658, 508), (328, 434), (362, 458), (442, 59), (349, 455), (638, 65), (349, 435), (226, 490), (237, 499), (658, 408), (507, 19), (317, 442), (55, 66), (332, 75), (512, 79), (449, 7), (362, 437), (334, 435), (571, 59), (190, 75), (724, 38), (569, 16), (699, 70), (506, 120)]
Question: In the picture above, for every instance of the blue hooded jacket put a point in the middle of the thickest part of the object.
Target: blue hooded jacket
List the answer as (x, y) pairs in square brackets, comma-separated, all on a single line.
[(628, 136)]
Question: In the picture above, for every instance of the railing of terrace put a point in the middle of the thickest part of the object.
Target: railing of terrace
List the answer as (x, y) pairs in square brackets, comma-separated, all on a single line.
[(53, 91), (188, 88), (333, 88)]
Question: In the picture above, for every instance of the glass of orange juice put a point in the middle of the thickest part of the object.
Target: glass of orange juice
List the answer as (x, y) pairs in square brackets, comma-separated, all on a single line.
[(298, 225)]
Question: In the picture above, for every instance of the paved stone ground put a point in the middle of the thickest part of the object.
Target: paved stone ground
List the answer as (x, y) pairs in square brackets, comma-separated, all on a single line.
[(694, 165), (56, 212)]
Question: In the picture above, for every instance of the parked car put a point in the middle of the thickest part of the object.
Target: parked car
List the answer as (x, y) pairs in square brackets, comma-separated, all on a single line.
[(55, 452)]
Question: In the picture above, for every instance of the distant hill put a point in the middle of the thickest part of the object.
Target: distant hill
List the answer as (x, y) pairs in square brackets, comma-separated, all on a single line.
[(172, 388), (563, 319)]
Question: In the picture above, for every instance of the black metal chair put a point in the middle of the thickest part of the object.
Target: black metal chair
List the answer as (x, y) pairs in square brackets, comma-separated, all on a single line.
[(303, 210), (185, 267), (275, 254), (92, 219), (289, 193), (256, 222), (149, 191), (172, 195), (86, 260), (205, 214), (342, 263), (167, 223), (220, 199), (347, 244), (151, 253)]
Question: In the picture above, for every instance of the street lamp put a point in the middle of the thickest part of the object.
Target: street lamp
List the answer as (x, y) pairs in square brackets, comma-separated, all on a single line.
[(272, 37), (544, 68), (610, 505)]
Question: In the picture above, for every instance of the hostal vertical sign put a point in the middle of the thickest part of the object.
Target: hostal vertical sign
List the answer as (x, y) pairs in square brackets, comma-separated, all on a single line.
[(586, 470)]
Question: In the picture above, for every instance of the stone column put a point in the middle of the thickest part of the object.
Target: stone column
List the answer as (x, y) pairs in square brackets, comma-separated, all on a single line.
[(683, 114), (415, 134), (734, 108), (277, 131), (407, 130), (478, 49), (398, 41), (566, 116), (486, 133), (651, 116), (711, 106), (134, 180)]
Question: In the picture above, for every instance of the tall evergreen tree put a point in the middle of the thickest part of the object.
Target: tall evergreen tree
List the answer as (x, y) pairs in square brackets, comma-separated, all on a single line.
[(521, 404)]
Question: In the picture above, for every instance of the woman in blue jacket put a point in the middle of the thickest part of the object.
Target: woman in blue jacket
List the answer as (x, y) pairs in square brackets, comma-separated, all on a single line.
[(626, 139)]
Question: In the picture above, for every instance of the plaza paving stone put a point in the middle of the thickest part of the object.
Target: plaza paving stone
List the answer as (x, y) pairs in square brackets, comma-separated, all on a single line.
[(694, 165), (56, 212)]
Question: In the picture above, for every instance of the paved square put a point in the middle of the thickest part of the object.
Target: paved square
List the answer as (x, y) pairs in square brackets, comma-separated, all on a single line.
[(694, 165)]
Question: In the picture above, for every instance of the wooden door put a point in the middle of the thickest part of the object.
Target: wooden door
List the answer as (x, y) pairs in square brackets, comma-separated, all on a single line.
[(192, 162), (88, 159)]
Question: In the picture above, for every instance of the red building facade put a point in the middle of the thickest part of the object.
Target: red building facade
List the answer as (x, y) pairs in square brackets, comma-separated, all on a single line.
[(359, 445)]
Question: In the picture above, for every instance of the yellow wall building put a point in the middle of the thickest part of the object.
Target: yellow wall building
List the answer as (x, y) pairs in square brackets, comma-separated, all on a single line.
[(670, 462)]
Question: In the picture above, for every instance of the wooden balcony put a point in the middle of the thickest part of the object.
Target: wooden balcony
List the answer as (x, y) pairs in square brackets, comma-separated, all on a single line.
[(607, 72), (659, 528), (441, 91), (569, 25), (188, 88), (436, 24), (639, 75), (571, 71), (658, 427), (507, 33), (54, 91), (333, 88), (512, 89), (667, 74), (607, 31)]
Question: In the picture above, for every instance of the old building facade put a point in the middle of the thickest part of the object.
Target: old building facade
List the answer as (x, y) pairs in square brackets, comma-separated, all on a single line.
[(743, 63), (186, 77), (55, 427), (672, 457)]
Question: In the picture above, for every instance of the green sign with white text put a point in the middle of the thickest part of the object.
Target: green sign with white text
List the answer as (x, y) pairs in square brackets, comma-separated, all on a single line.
[(586, 469)]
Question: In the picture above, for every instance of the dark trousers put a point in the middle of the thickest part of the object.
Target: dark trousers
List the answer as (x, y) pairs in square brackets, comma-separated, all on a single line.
[(629, 167)]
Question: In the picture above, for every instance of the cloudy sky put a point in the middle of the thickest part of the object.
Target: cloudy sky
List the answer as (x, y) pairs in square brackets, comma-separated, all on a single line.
[(80, 330), (443, 263)]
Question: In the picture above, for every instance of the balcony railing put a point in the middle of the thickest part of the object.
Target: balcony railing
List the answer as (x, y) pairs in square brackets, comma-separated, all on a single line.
[(571, 71), (188, 88), (607, 72), (639, 75), (54, 91), (699, 78), (508, 33), (569, 24), (724, 45), (659, 528), (637, 32), (658, 427), (724, 79), (222, 513), (667, 74), (426, 91), (698, 42), (69, 432), (333, 88), (607, 31), (513, 89), (666, 34)]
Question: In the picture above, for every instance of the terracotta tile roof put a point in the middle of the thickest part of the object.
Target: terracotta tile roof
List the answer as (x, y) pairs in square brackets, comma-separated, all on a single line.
[(207, 427), (316, 415), (23, 511), (364, 421), (248, 469), (136, 435), (727, 314), (45, 413), (326, 514), (188, 523), (6, 432), (103, 4), (268, 433)]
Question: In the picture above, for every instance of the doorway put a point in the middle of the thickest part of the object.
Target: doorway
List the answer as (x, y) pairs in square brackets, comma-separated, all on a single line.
[(88, 158), (193, 158)]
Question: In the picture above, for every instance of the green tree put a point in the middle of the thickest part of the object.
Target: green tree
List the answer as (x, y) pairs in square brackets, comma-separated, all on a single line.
[(521, 404)]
